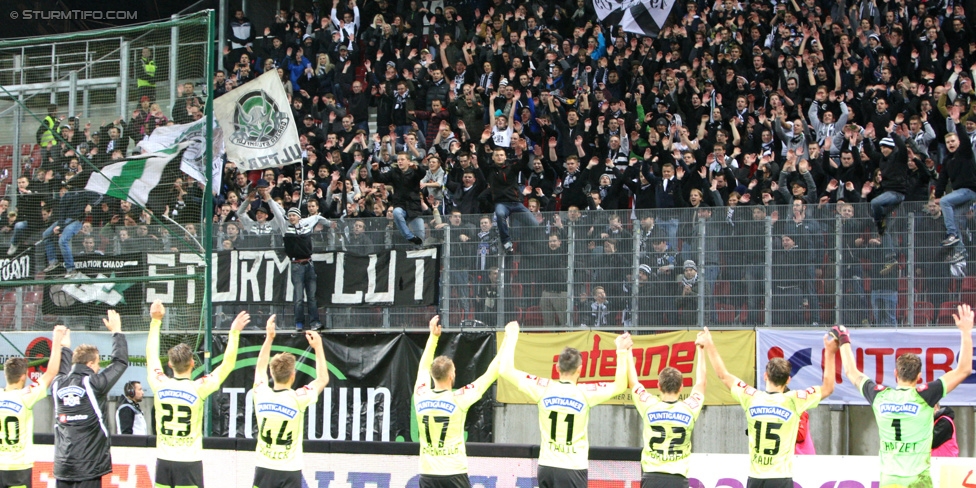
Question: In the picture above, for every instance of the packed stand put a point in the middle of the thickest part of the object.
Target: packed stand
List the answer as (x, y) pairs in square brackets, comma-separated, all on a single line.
[(587, 170)]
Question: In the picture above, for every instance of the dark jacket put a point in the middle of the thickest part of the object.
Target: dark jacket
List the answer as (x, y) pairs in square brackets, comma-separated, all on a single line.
[(894, 167), (959, 167), (504, 180), (81, 437), (406, 188)]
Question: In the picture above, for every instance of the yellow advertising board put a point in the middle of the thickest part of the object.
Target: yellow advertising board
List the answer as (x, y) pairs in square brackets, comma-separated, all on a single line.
[(537, 354)]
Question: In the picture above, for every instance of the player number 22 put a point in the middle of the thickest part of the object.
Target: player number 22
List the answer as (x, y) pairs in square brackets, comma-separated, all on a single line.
[(554, 417), (440, 420), (660, 435), (183, 416)]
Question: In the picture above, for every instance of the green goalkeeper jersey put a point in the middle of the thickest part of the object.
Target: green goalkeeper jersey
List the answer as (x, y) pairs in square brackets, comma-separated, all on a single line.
[(772, 420), (904, 417), (441, 415), (667, 431)]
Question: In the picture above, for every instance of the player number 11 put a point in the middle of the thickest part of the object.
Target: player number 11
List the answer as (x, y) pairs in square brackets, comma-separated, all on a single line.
[(554, 417)]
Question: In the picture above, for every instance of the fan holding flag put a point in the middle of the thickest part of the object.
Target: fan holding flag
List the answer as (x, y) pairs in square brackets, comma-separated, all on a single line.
[(644, 17)]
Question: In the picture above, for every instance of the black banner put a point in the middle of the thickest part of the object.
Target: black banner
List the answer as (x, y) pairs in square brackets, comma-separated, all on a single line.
[(16, 268), (371, 378), (392, 278), (81, 296)]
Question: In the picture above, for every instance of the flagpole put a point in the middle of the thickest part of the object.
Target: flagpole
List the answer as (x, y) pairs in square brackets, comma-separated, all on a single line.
[(207, 315)]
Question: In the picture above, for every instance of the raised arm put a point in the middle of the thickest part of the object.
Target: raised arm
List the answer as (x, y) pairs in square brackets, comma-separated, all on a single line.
[(156, 313), (54, 363), (843, 338), (526, 383), (713, 357), (230, 353), (830, 351), (427, 358), (964, 365), (702, 370), (109, 375), (321, 366), (619, 385), (264, 356)]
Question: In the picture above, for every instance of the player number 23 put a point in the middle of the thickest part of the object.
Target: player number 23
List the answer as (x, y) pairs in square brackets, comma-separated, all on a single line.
[(182, 415)]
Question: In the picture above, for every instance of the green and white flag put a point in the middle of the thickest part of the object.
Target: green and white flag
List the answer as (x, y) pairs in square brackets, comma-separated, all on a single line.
[(169, 136), (259, 130), (133, 178)]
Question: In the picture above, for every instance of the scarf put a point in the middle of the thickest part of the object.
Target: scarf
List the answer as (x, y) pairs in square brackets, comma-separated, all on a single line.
[(686, 282), (401, 100)]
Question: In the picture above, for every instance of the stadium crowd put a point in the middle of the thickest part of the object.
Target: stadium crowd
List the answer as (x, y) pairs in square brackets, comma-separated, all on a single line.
[(490, 113)]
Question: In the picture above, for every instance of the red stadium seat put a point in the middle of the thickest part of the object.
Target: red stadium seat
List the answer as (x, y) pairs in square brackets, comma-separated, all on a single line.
[(6, 150), (924, 313), (969, 283), (9, 297), (29, 316), (726, 313), (8, 313), (945, 313), (33, 296), (533, 317)]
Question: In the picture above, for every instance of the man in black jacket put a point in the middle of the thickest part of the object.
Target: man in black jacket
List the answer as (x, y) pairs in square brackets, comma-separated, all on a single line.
[(71, 212), (405, 179), (959, 169), (82, 446), (503, 180), (893, 161)]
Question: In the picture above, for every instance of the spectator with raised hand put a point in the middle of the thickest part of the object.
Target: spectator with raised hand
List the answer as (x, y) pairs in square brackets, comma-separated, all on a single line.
[(959, 170)]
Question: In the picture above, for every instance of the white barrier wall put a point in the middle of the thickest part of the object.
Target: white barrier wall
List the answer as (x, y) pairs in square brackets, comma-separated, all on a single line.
[(134, 468)]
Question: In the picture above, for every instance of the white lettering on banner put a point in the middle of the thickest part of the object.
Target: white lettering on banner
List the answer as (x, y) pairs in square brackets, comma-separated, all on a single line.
[(371, 295), (419, 267), (16, 268), (338, 296), (875, 352), (374, 396), (264, 277), (232, 469), (249, 275), (154, 261)]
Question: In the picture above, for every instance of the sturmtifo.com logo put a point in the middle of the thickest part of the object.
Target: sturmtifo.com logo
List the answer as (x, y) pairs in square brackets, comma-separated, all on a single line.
[(258, 123)]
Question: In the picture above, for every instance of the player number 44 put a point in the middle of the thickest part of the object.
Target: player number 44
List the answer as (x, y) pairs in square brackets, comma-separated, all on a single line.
[(281, 440)]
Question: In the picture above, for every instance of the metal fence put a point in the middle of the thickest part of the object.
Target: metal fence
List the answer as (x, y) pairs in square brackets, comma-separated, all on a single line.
[(781, 265), (106, 99)]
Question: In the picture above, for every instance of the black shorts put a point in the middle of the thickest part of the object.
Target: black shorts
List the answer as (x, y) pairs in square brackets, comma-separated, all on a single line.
[(769, 483), (272, 478), (663, 480), (92, 483), (550, 477), (20, 478), (449, 481), (175, 473)]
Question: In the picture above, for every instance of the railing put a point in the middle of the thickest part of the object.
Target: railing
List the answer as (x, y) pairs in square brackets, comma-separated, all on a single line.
[(624, 270), (834, 270)]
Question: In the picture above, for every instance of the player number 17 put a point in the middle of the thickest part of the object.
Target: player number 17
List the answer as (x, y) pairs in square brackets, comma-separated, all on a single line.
[(440, 420)]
